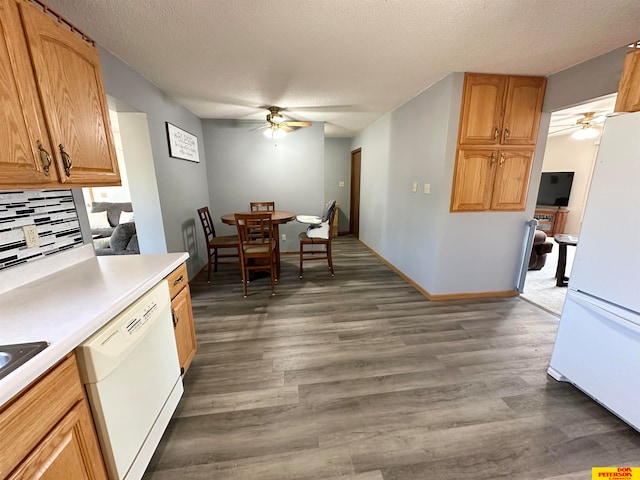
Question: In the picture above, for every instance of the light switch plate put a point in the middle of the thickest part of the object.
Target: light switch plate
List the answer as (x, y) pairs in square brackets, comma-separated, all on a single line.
[(341, 184), (427, 188), (414, 187)]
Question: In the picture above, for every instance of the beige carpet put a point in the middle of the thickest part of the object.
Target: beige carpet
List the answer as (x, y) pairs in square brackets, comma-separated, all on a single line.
[(540, 285)]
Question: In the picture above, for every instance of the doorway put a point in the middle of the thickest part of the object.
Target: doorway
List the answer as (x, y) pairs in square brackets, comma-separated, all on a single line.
[(354, 220), (567, 152)]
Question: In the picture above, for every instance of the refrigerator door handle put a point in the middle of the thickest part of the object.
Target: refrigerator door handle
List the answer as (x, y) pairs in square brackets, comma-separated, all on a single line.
[(608, 314)]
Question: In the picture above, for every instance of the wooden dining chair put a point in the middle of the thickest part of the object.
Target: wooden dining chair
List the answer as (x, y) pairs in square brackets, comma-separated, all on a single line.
[(262, 206), (258, 250), (309, 244), (228, 243)]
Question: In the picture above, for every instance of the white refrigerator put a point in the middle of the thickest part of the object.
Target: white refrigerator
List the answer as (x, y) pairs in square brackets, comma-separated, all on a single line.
[(597, 347)]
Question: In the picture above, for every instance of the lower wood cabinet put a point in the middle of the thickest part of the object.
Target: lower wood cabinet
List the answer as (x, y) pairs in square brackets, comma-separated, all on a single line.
[(47, 431), (182, 313)]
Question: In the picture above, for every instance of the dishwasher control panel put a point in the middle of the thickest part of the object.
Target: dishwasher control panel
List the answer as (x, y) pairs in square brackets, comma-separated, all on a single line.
[(120, 336), (140, 318)]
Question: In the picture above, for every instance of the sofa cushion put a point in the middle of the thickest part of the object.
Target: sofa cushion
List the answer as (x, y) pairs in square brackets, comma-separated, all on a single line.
[(121, 236), (113, 210), (133, 246), (99, 220), (125, 217), (101, 242)]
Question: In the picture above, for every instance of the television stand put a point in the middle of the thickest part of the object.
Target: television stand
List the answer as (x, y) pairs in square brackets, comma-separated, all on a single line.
[(551, 220)]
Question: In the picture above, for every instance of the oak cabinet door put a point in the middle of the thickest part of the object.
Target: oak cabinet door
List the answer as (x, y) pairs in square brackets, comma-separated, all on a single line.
[(69, 451), (473, 180), (69, 79), (23, 136), (523, 105), (511, 182), (184, 327), (482, 109)]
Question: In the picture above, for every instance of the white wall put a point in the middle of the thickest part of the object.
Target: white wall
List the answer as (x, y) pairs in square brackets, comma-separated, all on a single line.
[(138, 158), (337, 168), (415, 143), (181, 186), (566, 154), (244, 166)]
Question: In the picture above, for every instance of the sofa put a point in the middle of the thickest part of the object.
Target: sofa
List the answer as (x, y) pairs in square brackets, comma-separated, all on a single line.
[(539, 250), (113, 228)]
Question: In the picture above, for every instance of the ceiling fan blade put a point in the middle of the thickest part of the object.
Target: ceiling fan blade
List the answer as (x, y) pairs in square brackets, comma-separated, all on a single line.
[(266, 125), (296, 124), (286, 128), (563, 129)]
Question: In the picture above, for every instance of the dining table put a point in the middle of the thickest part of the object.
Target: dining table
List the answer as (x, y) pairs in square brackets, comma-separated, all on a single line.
[(278, 217)]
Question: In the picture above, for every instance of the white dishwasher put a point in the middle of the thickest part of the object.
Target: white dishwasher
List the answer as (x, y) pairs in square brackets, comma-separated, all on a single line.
[(131, 373)]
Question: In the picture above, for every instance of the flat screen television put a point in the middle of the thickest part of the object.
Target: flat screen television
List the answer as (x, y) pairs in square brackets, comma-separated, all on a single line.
[(555, 188)]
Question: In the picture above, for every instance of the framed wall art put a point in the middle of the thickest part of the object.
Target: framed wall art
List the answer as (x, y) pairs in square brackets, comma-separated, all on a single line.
[(182, 144)]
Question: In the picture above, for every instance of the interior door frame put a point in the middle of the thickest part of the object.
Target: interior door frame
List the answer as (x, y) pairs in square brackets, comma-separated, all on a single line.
[(354, 210)]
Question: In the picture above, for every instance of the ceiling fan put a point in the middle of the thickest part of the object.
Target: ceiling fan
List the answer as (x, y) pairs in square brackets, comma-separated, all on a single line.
[(277, 127), (586, 126)]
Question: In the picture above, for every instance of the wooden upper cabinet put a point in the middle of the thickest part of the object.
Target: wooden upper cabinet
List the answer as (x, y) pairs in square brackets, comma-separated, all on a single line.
[(499, 123), (500, 109), (628, 99), (473, 180), (22, 127), (523, 105), (482, 112), (53, 79), (486, 179), (511, 181)]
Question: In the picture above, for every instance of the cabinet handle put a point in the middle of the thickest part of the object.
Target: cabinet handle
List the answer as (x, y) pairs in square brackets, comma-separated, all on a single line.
[(66, 161), (492, 160), (501, 159), (178, 280), (45, 158), (175, 318), (496, 134), (506, 133)]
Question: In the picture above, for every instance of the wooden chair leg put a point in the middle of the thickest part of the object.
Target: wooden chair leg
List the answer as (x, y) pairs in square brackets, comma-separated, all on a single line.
[(244, 282), (208, 266), (329, 259), (273, 279), (301, 247), (215, 260)]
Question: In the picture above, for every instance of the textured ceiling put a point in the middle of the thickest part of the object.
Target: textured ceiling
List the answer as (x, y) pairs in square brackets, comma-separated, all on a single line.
[(343, 62)]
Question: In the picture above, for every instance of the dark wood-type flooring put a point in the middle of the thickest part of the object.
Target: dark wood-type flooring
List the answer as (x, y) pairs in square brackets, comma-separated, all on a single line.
[(360, 377)]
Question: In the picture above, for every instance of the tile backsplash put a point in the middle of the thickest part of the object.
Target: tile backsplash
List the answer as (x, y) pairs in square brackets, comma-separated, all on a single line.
[(53, 212)]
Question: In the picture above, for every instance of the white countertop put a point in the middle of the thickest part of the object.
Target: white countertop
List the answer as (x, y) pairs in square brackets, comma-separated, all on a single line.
[(66, 307)]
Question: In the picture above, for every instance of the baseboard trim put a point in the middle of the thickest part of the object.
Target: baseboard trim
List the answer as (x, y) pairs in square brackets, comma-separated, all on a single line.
[(445, 296)]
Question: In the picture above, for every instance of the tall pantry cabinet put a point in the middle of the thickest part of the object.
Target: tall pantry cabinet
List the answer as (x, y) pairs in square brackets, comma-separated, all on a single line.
[(499, 123), (54, 124)]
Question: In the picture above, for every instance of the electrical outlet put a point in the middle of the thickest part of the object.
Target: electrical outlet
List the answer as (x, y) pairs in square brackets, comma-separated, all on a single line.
[(427, 187), (414, 187), (284, 237), (341, 184), (31, 236)]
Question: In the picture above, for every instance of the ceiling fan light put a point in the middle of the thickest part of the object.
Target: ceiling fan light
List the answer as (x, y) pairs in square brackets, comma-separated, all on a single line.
[(585, 133), (274, 133), (277, 118)]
